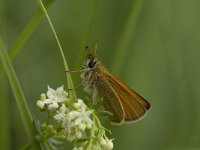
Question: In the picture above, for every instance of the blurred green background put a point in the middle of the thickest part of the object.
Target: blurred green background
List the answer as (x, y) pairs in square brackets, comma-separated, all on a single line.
[(151, 45)]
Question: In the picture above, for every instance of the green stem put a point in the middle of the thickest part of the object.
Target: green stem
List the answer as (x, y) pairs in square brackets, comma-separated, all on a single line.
[(25, 114), (72, 93), (89, 144), (98, 121)]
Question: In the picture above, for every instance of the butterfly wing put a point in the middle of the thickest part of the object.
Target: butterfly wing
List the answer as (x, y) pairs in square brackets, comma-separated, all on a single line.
[(135, 106), (111, 101), (125, 104)]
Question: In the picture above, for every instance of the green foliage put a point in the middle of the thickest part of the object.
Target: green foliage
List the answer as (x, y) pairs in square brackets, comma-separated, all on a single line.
[(158, 57)]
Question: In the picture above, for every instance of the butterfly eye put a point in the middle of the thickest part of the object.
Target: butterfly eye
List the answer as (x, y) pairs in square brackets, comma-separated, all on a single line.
[(92, 63)]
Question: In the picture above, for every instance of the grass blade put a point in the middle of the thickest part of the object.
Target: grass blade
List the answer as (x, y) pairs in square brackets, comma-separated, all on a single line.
[(86, 36), (72, 93), (129, 27), (18, 94)]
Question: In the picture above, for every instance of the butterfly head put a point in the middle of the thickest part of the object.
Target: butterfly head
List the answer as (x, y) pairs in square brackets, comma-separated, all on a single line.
[(90, 61)]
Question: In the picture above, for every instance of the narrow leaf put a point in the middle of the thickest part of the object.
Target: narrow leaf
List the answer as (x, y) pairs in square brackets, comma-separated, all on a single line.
[(18, 94)]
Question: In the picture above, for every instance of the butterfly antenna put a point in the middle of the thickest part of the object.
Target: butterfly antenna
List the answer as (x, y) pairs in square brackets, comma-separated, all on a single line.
[(95, 48), (87, 49)]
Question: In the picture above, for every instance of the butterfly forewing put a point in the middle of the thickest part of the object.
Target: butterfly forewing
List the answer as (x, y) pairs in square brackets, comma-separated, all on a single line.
[(116, 94), (111, 101), (135, 107)]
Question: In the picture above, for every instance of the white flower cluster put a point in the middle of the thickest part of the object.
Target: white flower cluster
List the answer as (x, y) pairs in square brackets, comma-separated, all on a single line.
[(73, 119)]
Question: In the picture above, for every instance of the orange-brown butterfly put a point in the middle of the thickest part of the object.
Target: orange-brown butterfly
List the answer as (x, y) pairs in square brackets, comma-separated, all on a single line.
[(124, 103)]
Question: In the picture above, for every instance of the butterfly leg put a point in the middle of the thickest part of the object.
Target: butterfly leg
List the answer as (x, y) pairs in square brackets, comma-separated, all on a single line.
[(94, 96), (76, 70), (78, 86)]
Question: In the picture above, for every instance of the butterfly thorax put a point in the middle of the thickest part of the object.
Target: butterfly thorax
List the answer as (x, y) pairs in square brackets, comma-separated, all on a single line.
[(92, 75)]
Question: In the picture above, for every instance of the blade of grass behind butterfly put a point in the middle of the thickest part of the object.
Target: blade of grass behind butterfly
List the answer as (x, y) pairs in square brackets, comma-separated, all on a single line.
[(72, 93), (86, 36), (26, 33), (19, 96), (127, 31)]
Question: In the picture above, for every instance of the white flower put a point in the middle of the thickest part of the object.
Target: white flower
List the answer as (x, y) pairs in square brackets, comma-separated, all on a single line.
[(74, 119), (82, 104), (61, 116), (83, 116), (73, 114), (54, 97), (63, 109), (58, 95), (52, 104)]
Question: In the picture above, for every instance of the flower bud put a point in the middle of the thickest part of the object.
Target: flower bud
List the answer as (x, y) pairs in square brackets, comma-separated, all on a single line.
[(109, 145), (40, 104), (88, 125), (103, 142), (77, 105), (73, 114), (42, 96), (82, 126), (79, 134)]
